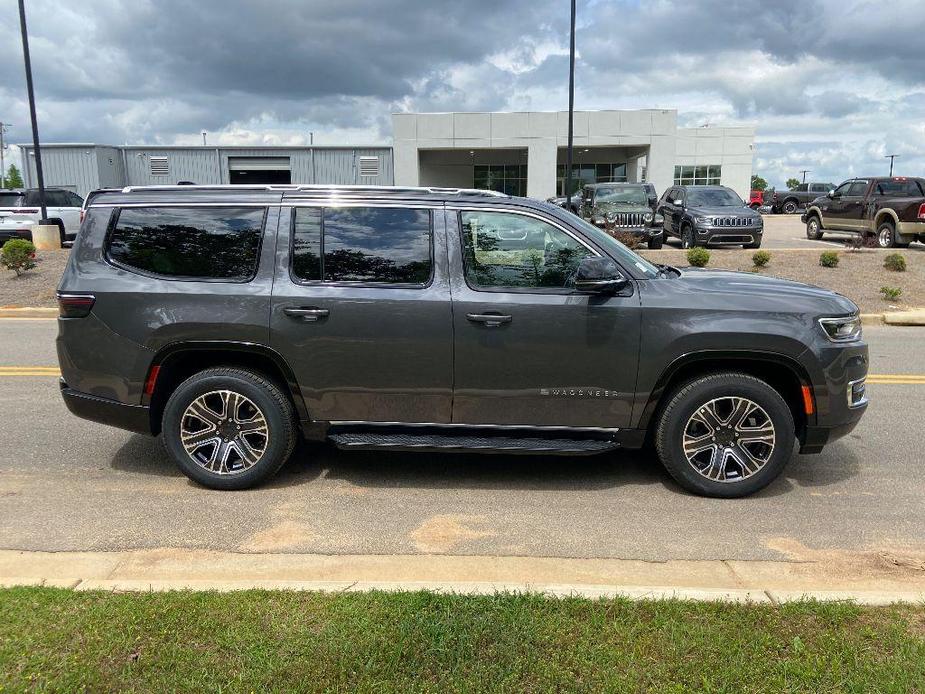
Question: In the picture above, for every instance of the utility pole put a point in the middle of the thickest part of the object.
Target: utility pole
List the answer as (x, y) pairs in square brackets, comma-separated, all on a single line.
[(804, 172), (571, 111), (3, 127), (203, 138), (891, 157), (35, 126)]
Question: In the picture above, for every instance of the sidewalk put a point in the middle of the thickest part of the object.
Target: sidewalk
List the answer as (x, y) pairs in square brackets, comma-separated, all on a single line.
[(738, 581)]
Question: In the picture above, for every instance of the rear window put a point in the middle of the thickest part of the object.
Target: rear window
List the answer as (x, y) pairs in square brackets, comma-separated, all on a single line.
[(10, 200), (898, 189), (220, 243), (384, 245)]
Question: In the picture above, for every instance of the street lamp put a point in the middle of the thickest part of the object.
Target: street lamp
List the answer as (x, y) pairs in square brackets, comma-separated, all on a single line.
[(571, 108), (35, 126), (891, 157)]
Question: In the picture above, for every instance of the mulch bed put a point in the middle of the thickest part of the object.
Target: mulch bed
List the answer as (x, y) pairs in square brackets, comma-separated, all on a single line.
[(34, 287), (859, 274)]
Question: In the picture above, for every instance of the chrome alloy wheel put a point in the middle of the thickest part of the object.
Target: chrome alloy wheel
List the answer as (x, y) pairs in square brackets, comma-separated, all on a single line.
[(729, 439), (224, 432), (885, 237)]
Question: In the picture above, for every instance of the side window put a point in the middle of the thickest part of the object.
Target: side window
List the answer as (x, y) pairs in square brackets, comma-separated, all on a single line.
[(844, 187), (220, 243), (898, 189), (504, 250), (384, 245), (74, 200), (802, 188), (857, 188)]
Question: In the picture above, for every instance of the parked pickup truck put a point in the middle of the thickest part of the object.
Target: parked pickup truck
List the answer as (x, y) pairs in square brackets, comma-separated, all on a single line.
[(20, 210), (789, 201), (893, 209)]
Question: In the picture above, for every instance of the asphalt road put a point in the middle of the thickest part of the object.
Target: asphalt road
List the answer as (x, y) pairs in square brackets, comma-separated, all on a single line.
[(787, 231), (67, 484)]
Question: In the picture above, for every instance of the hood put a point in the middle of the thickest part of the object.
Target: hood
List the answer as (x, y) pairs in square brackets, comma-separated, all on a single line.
[(723, 211), (616, 207), (750, 290)]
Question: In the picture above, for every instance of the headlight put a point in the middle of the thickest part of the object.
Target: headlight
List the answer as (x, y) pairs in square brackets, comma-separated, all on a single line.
[(611, 217), (703, 221), (647, 217), (845, 329), (659, 219)]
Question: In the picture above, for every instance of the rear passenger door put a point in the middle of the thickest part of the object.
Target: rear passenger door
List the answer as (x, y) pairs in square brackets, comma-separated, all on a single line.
[(361, 310)]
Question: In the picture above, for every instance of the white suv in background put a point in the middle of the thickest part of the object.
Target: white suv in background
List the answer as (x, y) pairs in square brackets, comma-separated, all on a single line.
[(20, 210)]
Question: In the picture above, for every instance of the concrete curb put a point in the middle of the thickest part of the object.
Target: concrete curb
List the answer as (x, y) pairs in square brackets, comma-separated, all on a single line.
[(725, 581), (913, 317), (28, 312)]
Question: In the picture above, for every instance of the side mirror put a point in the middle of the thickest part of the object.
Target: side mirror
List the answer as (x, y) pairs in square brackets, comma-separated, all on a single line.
[(652, 201), (599, 276), (832, 194)]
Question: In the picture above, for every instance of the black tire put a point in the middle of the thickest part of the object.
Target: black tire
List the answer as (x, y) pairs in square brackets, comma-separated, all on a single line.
[(813, 228), (655, 242), (270, 402), (888, 237), (756, 244), (688, 240), (790, 207), (699, 393)]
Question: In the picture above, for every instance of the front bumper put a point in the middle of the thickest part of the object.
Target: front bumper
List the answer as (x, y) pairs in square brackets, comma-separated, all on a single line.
[(642, 232), (105, 411), (732, 236)]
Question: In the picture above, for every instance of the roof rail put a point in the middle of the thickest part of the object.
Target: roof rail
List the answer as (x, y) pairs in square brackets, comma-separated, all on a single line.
[(323, 187)]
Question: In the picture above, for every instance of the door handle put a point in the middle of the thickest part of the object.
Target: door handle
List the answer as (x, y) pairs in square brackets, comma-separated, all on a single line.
[(308, 315), (489, 320)]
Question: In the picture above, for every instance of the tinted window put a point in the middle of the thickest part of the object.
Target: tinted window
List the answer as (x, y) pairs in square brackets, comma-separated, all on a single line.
[(713, 197), (820, 188), (74, 200), (843, 188), (504, 250), (626, 195), (362, 244), (10, 200), (196, 242), (857, 188), (898, 189), (57, 198)]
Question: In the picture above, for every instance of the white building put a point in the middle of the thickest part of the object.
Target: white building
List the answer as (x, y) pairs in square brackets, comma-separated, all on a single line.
[(524, 153)]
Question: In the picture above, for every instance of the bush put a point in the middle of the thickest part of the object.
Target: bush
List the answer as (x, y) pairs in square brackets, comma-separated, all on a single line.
[(895, 262), (828, 259), (891, 293), (18, 255), (698, 257), (859, 241), (761, 258)]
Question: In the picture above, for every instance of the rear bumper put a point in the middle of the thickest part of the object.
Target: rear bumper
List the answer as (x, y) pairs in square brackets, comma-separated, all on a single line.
[(105, 411), (7, 234)]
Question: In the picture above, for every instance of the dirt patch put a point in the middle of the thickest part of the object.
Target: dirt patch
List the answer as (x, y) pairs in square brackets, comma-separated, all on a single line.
[(888, 562), (440, 534), (859, 275), (282, 536), (34, 287)]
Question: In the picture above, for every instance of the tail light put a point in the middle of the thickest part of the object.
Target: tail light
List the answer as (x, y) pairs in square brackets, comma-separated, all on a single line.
[(83, 213), (921, 214), (75, 305)]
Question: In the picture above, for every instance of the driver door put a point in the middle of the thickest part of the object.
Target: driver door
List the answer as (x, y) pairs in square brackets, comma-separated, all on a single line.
[(529, 350), (845, 210)]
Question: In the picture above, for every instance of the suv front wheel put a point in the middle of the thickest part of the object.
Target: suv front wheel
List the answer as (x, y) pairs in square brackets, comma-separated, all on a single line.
[(725, 435), (229, 428)]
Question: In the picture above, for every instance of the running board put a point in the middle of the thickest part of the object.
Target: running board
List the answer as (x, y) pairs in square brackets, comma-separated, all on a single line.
[(367, 441)]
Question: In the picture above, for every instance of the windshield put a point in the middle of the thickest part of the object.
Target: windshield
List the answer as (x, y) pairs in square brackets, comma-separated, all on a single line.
[(10, 199), (713, 197), (623, 195)]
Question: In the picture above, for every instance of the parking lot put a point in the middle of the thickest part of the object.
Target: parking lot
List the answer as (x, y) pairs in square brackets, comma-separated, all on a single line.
[(69, 484)]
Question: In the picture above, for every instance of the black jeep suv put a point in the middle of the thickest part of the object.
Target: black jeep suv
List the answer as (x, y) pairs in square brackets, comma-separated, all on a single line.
[(704, 215), (234, 320)]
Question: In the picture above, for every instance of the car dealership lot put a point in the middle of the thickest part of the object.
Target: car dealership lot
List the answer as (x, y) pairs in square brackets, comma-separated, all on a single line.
[(68, 484)]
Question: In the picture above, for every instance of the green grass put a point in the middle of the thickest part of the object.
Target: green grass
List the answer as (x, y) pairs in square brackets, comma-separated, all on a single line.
[(59, 640)]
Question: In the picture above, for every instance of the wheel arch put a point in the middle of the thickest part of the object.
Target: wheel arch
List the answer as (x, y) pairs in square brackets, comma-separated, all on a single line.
[(781, 372), (884, 215), (176, 362), (814, 212)]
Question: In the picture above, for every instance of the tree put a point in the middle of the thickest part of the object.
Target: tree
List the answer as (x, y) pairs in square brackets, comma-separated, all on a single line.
[(13, 177), (792, 183), (758, 183)]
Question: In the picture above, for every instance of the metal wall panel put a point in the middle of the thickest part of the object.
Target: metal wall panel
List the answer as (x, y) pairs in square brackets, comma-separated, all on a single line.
[(110, 170), (71, 167), (195, 164)]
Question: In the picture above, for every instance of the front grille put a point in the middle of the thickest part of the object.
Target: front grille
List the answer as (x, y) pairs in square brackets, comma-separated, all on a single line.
[(731, 238), (627, 219), (734, 222)]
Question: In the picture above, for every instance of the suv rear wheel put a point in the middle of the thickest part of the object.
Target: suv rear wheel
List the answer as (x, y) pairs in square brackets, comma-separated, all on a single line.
[(725, 435), (229, 428), (790, 207)]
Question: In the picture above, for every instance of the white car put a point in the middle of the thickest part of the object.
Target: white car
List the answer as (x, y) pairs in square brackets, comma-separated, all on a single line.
[(20, 210)]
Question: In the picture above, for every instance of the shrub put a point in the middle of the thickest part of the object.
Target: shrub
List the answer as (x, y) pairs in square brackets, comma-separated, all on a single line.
[(698, 257), (761, 258), (891, 293), (627, 238), (895, 262), (18, 255), (828, 259)]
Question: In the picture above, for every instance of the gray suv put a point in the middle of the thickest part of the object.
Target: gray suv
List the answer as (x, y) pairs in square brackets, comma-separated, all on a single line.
[(233, 321)]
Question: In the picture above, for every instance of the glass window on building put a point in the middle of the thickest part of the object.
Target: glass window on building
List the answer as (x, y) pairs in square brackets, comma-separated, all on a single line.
[(505, 178), (585, 174), (701, 175)]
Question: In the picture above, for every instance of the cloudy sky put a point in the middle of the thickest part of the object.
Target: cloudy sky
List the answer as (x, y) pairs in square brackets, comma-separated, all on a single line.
[(832, 85)]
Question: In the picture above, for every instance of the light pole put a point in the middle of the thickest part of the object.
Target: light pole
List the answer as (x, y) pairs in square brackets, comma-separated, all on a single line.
[(804, 172), (35, 126), (891, 157), (3, 127), (571, 111)]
